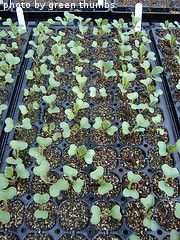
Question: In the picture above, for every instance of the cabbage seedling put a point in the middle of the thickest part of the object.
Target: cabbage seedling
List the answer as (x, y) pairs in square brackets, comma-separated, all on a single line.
[(44, 142), (66, 129), (141, 55), (157, 120), (148, 202), (101, 93), (84, 123), (104, 126), (140, 126), (10, 125), (103, 27), (42, 170), (5, 195), (120, 24), (76, 49), (167, 25), (171, 39), (104, 186), (133, 178), (167, 150), (78, 89), (49, 130), (78, 105), (50, 99), (57, 52), (169, 173), (97, 214), (82, 28), (105, 68), (127, 78), (81, 152), (15, 31), (41, 199), (68, 17), (18, 146), (149, 73), (8, 61), (58, 186), (37, 72), (71, 173), (52, 82), (29, 109)]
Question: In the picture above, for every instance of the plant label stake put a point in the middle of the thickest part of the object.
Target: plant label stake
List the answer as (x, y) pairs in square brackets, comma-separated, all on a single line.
[(138, 14), (20, 16)]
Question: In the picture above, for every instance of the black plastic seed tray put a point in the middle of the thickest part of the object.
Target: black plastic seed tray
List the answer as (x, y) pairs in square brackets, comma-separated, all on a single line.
[(61, 6), (171, 87), (88, 231), (11, 89), (163, 7)]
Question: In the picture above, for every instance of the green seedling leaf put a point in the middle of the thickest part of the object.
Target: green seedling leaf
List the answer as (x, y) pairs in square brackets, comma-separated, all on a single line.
[(169, 171), (44, 142), (66, 129), (177, 210), (41, 214), (89, 156), (134, 237), (141, 121), (102, 92), (41, 198), (150, 224), (125, 128), (21, 171), (77, 185), (84, 123), (167, 189), (34, 152), (23, 109), (148, 201), (4, 216), (132, 96), (7, 194), (49, 99), (130, 193), (69, 171), (2, 108), (60, 185), (3, 181), (133, 178), (53, 110), (177, 146), (112, 130), (26, 123), (11, 59), (56, 136), (11, 160), (98, 123), (106, 124), (18, 145), (96, 214), (92, 91), (72, 149), (69, 113), (98, 173), (162, 148), (174, 235), (81, 151), (105, 188), (42, 170), (156, 119), (76, 90), (115, 212), (8, 172), (157, 70), (9, 125)]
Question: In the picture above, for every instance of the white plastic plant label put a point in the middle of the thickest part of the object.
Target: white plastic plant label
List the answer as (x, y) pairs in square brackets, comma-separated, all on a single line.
[(20, 16), (138, 14)]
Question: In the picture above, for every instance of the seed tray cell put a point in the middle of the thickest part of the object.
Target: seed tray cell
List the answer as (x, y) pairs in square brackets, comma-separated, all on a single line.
[(89, 231)]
